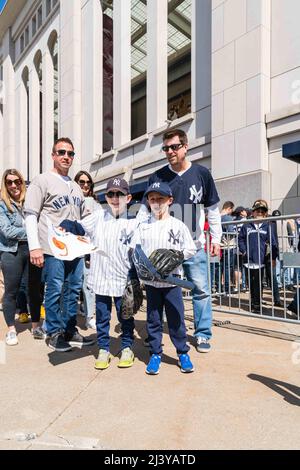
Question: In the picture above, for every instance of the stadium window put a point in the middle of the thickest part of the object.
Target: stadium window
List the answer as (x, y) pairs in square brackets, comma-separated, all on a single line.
[(40, 16)]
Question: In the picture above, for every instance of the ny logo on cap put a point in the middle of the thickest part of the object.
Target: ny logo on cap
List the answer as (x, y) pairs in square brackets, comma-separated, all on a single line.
[(117, 182), (156, 185)]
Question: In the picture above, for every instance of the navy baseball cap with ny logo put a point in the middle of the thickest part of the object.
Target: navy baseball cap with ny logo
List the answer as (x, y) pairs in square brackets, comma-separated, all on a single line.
[(118, 183), (161, 188)]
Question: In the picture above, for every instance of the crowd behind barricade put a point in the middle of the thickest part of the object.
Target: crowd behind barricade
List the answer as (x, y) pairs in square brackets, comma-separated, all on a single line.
[(251, 259), (180, 203)]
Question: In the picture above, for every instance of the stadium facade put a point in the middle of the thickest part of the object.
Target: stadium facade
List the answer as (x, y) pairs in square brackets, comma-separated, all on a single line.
[(114, 75)]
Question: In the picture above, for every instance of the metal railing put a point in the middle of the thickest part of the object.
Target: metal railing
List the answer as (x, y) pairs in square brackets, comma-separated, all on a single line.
[(252, 276)]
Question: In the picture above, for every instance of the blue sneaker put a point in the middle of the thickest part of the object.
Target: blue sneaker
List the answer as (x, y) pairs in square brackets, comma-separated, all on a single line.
[(203, 345), (153, 365), (185, 363)]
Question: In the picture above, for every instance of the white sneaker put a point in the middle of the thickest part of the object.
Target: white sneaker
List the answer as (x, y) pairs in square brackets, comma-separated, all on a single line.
[(91, 323), (203, 345), (11, 338)]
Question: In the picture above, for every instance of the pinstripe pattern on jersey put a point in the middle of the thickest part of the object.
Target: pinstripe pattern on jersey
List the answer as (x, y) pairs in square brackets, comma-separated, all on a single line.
[(108, 275), (170, 233)]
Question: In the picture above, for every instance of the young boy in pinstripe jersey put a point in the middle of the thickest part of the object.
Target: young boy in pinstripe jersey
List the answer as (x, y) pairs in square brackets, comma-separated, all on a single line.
[(112, 231), (161, 230)]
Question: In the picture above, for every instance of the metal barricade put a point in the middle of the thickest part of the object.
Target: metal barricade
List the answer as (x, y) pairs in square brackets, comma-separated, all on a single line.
[(261, 284)]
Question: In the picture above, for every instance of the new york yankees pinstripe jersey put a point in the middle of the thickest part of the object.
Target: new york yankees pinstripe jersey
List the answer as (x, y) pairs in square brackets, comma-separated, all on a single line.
[(169, 233), (108, 275)]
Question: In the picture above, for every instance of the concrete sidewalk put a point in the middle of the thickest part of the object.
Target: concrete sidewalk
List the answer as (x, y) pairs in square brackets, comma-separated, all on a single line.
[(245, 394)]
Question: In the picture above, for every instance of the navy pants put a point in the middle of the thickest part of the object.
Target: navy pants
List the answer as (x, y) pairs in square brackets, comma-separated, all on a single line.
[(171, 299), (103, 316)]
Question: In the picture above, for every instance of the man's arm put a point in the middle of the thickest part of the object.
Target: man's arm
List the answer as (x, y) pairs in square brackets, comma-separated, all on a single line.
[(36, 253), (214, 220)]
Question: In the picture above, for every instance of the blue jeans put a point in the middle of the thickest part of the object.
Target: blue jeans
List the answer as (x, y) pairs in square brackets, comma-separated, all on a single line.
[(103, 316), (195, 270), (227, 262), (63, 278)]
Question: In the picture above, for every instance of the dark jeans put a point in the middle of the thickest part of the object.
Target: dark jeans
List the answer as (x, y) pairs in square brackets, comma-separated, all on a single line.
[(23, 294), (103, 316), (35, 292), (256, 288), (171, 299), (21, 280), (14, 266)]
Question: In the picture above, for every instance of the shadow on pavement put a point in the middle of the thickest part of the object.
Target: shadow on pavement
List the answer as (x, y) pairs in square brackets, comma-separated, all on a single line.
[(290, 393), (259, 331)]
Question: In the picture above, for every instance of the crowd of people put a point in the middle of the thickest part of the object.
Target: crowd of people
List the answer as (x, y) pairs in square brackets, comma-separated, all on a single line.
[(179, 198), (250, 255)]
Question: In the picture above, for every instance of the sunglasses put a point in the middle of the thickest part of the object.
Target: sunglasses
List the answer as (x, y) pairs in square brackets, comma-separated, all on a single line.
[(63, 152), (16, 182), (112, 194), (84, 182), (174, 147)]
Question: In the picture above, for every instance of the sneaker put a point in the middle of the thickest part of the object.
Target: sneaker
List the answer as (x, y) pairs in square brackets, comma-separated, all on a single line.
[(91, 323), (78, 340), (185, 363), (23, 317), (57, 342), (278, 303), (103, 360), (42, 312), (203, 345), (11, 338), (153, 365), (292, 312), (38, 333), (126, 359)]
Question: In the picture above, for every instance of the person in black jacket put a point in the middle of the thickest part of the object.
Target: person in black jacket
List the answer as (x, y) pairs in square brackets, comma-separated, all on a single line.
[(254, 240)]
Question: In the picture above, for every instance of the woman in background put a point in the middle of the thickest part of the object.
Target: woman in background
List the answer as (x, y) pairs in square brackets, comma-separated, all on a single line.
[(85, 181), (15, 254)]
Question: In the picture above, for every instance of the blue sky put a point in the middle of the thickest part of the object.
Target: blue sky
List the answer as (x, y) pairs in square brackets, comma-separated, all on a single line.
[(2, 3)]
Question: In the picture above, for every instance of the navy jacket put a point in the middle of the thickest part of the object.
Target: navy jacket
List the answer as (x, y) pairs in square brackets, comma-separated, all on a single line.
[(257, 240)]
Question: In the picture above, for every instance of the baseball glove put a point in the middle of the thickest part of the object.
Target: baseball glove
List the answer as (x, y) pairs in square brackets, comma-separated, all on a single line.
[(165, 261), (132, 299)]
